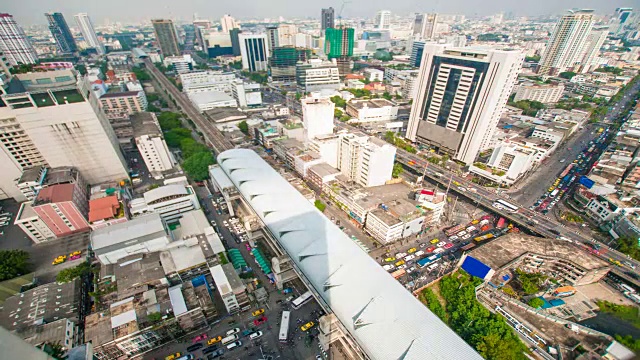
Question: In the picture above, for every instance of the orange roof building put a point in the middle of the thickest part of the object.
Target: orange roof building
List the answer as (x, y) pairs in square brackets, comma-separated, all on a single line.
[(104, 208)]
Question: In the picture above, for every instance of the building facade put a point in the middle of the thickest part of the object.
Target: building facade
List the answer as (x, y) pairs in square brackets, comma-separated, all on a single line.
[(89, 33), (317, 117), (546, 93), (60, 30), (327, 19), (151, 144), (127, 102), (460, 97), (316, 75), (254, 52), (14, 44), (567, 42), (283, 60), (166, 36)]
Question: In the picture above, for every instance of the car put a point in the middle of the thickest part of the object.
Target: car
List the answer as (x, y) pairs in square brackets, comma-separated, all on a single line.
[(403, 266), (213, 223), (388, 267), (215, 354), (307, 326), (400, 255), (448, 246), (466, 236), (232, 331), (214, 340), (199, 338), (441, 244), (423, 245), (462, 234), (247, 332), (195, 347), (430, 249), (453, 238), (75, 257), (419, 253), (287, 290), (409, 257), (255, 335), (234, 345), (412, 250), (434, 241), (257, 312), (58, 260), (173, 356), (401, 262), (210, 349), (390, 259), (75, 253), (260, 321)]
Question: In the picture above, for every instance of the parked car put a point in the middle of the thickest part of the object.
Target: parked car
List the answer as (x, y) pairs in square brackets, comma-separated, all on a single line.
[(195, 347), (214, 340), (257, 312), (307, 326), (260, 321)]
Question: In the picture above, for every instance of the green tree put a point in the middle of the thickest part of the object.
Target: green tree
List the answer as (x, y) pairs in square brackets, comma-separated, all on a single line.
[(244, 127), (534, 58), (493, 347), (197, 165), (236, 65), (340, 102), (175, 136), (387, 96), (390, 137), (397, 170), (141, 74), (337, 113), (13, 263), (189, 147), (536, 303), (320, 205), (70, 274), (344, 118), (629, 246), (567, 74), (154, 317), (169, 120)]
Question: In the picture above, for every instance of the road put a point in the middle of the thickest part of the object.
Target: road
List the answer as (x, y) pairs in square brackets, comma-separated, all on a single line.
[(212, 135)]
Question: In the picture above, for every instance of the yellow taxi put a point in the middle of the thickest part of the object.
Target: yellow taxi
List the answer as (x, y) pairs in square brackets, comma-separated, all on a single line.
[(390, 259), (307, 326), (401, 262), (75, 253), (257, 312), (434, 241), (412, 250), (173, 356), (214, 340), (551, 189), (59, 260)]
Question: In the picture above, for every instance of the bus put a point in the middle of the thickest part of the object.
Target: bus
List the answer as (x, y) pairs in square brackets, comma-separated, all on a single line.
[(501, 204), (284, 326), (303, 299), (453, 230)]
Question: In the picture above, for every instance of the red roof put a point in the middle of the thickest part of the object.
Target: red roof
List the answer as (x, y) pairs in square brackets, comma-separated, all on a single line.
[(98, 82), (55, 194), (354, 76), (103, 208)]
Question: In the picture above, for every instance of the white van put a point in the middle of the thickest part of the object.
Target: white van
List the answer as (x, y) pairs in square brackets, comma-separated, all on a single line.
[(229, 339), (234, 345), (255, 335)]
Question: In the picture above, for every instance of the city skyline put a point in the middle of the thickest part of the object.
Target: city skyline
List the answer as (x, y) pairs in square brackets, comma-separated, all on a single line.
[(253, 9)]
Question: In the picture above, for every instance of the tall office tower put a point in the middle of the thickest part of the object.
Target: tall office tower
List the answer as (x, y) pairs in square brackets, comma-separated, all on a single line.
[(461, 94), (61, 33), (327, 18), (424, 26), (47, 118), (416, 53), (14, 44), (254, 51), (228, 23), (621, 19), (287, 34), (338, 45), (166, 37), (590, 51), (88, 32), (317, 117), (283, 60), (235, 41), (365, 160), (566, 43), (273, 37), (383, 19)]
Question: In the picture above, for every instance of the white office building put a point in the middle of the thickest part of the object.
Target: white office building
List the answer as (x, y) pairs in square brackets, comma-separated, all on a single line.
[(373, 110), (461, 95), (513, 159), (317, 117), (232, 290), (88, 32), (365, 160), (246, 94), (33, 227), (547, 133), (14, 43), (254, 51), (181, 64), (151, 144), (383, 20), (565, 47), (591, 50), (316, 75), (49, 121), (228, 23), (544, 93), (206, 80), (169, 201), (373, 74), (212, 99)]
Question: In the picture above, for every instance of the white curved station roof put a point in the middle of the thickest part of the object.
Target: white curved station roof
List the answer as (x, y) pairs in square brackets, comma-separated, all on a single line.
[(384, 318)]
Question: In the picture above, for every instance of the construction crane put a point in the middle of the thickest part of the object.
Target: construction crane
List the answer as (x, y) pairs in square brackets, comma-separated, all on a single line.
[(344, 2)]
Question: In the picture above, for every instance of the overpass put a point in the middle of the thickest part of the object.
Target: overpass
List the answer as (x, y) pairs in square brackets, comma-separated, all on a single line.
[(212, 135)]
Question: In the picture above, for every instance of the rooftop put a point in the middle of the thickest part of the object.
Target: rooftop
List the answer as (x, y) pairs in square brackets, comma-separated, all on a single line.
[(192, 223), (371, 104), (103, 208), (119, 94), (55, 194), (165, 192), (140, 229), (138, 269), (224, 114), (31, 174), (324, 169), (145, 123), (61, 175)]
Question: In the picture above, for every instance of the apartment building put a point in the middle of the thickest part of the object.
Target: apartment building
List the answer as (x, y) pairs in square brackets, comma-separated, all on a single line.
[(181, 63), (364, 160), (31, 224), (230, 286), (166, 36), (567, 42), (246, 94), (316, 75), (128, 102), (544, 93), (14, 43), (317, 117), (63, 207), (151, 145), (396, 220), (373, 110)]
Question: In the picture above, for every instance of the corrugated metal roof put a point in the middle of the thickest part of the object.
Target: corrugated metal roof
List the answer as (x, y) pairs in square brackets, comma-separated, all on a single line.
[(177, 300), (384, 318)]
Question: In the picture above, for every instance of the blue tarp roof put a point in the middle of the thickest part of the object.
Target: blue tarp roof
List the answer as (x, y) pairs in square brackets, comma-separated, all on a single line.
[(475, 267)]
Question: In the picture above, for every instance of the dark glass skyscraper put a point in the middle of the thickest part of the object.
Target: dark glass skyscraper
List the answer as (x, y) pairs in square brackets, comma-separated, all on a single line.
[(166, 36), (327, 18), (235, 42), (283, 60), (61, 33)]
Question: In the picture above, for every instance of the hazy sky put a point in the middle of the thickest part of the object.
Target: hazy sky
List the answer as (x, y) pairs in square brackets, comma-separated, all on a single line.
[(31, 12)]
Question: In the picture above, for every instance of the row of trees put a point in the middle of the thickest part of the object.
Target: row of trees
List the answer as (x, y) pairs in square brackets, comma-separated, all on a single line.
[(391, 138), (70, 274), (13, 263), (197, 157), (488, 333)]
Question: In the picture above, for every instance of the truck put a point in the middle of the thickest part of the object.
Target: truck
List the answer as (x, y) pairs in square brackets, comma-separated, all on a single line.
[(398, 273), (483, 237), (469, 246), (453, 230), (501, 222)]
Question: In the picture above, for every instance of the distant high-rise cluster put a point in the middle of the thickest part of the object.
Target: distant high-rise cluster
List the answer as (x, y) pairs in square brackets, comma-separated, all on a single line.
[(61, 33), (424, 26), (88, 32), (166, 36), (383, 20), (14, 44)]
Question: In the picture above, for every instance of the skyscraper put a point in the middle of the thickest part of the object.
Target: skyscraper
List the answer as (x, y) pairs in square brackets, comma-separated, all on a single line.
[(235, 42), (61, 33), (383, 19), (166, 36), (424, 26), (283, 60), (591, 49), (14, 44), (273, 37), (566, 43), (88, 32), (327, 18), (460, 97), (417, 48), (338, 45), (228, 23), (621, 18), (254, 51)]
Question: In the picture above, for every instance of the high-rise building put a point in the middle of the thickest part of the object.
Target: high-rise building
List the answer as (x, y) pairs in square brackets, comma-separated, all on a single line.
[(58, 124), (416, 53), (317, 117), (166, 36), (61, 33), (316, 75), (235, 42), (227, 22), (591, 50), (150, 143), (621, 19), (365, 160), (327, 18), (383, 19), (424, 26), (88, 32), (339, 45), (283, 60), (273, 37), (566, 43), (14, 44), (254, 51), (461, 95), (287, 34)]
